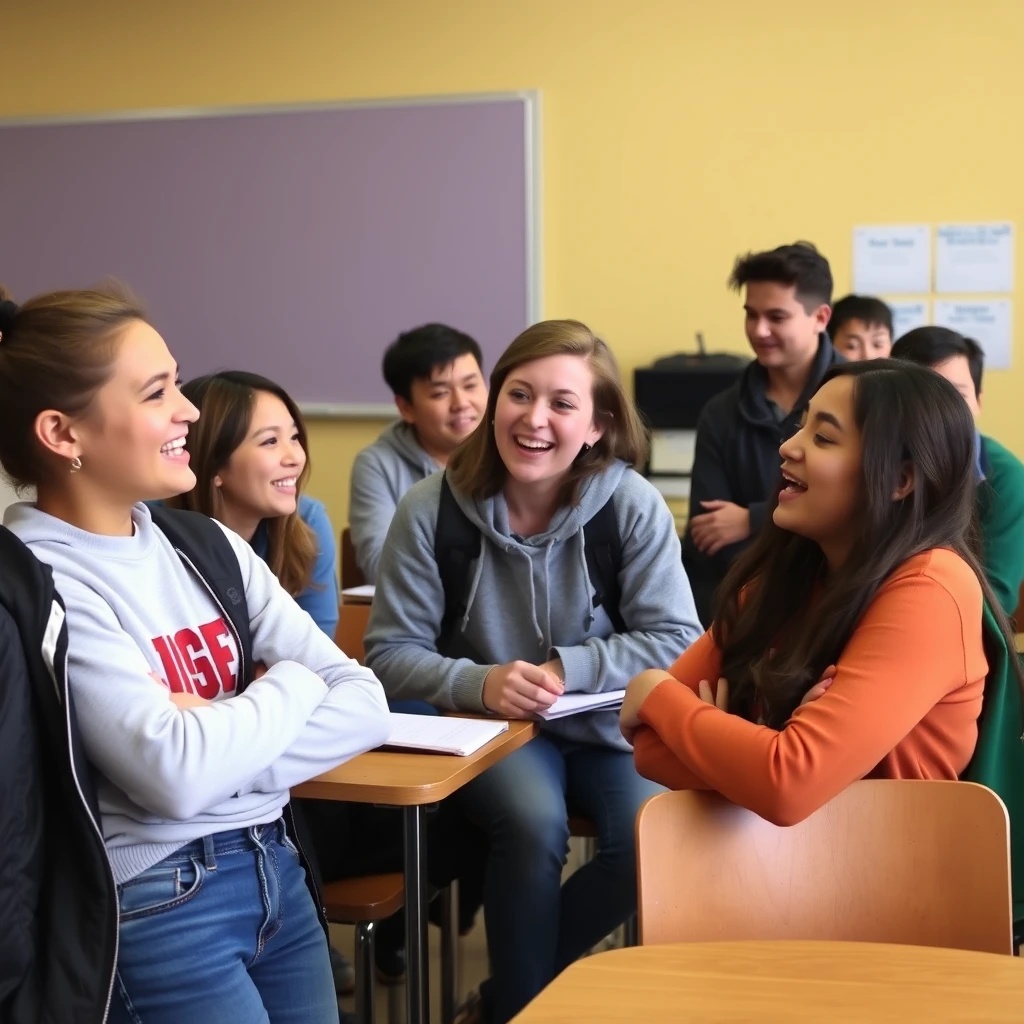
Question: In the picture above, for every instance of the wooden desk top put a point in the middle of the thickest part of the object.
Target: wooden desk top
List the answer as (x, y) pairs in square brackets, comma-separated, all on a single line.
[(405, 779), (784, 981)]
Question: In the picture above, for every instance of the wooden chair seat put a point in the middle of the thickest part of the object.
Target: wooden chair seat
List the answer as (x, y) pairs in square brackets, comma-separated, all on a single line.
[(370, 898)]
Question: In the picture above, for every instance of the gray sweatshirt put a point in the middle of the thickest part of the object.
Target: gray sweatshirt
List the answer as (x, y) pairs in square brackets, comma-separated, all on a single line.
[(531, 599), (381, 474), (166, 777)]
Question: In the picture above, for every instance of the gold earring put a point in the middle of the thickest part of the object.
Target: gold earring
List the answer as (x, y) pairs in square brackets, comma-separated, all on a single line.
[(76, 464)]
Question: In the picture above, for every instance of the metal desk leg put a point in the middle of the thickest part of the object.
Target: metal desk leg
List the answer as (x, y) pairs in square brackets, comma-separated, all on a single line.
[(417, 966), (449, 897)]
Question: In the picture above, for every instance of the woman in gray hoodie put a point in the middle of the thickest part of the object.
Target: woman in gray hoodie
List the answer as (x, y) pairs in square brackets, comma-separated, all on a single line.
[(552, 453)]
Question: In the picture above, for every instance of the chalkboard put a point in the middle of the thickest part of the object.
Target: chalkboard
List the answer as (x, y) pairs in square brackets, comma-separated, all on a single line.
[(294, 242)]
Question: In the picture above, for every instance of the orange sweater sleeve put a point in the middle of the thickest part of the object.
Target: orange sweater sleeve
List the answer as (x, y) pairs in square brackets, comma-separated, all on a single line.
[(654, 760), (906, 654)]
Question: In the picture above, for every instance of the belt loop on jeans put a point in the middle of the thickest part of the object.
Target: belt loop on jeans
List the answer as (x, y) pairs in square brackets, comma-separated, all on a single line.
[(208, 855)]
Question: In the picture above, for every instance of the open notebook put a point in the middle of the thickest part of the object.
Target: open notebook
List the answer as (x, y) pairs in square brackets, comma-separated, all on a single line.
[(574, 703), (432, 734)]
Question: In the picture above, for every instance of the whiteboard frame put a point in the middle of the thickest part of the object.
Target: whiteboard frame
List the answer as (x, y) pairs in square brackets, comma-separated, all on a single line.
[(532, 149)]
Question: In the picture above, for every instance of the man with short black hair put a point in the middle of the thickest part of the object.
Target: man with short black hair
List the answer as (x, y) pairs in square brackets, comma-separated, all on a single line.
[(861, 327), (1000, 498), (736, 463), (435, 374)]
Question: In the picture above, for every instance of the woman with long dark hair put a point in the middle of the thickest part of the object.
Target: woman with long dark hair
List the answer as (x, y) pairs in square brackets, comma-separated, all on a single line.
[(847, 642)]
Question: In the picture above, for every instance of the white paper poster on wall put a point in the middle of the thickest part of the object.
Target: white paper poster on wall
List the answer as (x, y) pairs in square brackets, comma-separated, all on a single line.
[(989, 323), (892, 258), (907, 314), (974, 258)]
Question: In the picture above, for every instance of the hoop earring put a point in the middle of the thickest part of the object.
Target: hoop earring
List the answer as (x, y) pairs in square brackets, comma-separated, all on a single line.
[(76, 464)]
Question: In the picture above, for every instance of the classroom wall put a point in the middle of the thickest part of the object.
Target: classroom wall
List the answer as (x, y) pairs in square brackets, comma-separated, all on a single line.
[(676, 133)]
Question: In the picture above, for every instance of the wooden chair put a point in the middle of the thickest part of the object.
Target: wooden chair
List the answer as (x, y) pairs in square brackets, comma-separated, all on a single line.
[(911, 862), (363, 902), (352, 622), (351, 574)]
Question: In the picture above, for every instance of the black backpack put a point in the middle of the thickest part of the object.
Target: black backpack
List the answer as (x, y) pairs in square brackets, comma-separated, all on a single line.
[(457, 542), (201, 544)]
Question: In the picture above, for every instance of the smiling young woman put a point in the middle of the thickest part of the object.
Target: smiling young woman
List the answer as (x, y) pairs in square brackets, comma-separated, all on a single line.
[(848, 641), (250, 456), (552, 454), (194, 758)]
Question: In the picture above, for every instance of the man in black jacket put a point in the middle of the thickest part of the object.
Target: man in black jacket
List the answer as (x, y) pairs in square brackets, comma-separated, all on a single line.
[(736, 461)]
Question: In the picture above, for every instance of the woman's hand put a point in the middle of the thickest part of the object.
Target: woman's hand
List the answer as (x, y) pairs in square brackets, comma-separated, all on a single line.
[(820, 686), (638, 690), (719, 698), (182, 701), (520, 689)]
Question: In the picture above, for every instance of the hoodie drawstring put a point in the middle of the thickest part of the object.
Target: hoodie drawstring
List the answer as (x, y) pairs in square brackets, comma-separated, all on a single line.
[(538, 630), (475, 584)]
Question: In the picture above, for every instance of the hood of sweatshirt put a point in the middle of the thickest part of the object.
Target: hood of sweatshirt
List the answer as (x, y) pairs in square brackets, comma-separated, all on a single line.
[(400, 438), (753, 403)]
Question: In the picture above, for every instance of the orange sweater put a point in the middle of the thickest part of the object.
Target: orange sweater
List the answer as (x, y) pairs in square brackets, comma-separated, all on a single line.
[(904, 704)]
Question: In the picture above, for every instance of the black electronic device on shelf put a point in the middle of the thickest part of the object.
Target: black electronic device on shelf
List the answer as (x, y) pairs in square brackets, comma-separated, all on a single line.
[(671, 393)]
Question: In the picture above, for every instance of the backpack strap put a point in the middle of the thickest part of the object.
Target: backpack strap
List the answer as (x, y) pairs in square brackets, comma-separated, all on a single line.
[(204, 548), (603, 547), (456, 543)]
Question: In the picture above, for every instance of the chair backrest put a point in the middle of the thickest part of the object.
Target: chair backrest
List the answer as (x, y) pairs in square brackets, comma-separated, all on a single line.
[(352, 622), (351, 574), (903, 861)]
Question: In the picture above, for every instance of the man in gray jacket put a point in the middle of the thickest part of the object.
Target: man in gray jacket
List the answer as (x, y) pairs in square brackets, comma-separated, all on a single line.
[(436, 376)]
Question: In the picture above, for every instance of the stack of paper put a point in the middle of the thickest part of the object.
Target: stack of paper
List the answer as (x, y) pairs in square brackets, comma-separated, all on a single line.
[(358, 595), (435, 735), (574, 703)]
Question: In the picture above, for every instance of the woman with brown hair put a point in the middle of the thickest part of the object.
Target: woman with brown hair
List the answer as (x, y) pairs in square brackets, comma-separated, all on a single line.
[(250, 454), (168, 614), (524, 613)]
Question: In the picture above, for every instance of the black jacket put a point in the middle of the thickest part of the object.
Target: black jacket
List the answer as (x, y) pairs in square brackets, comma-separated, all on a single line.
[(58, 900), (737, 459), (58, 903)]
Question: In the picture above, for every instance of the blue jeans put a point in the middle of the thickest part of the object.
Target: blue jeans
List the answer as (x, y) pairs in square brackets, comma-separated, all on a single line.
[(536, 926), (223, 930)]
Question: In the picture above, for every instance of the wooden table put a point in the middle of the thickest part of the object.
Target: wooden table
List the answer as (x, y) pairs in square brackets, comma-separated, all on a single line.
[(412, 782), (784, 981)]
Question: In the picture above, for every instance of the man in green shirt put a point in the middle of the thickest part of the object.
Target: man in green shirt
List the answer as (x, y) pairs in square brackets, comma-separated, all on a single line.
[(1000, 474)]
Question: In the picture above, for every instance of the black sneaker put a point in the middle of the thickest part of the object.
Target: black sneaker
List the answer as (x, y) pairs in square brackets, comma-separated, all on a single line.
[(344, 973), (389, 950)]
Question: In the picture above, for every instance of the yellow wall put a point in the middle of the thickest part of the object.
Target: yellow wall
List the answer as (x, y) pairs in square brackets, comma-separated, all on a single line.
[(676, 133)]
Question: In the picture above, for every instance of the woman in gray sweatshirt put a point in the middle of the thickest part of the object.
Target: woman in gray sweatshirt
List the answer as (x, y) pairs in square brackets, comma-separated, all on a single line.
[(216, 922), (553, 451)]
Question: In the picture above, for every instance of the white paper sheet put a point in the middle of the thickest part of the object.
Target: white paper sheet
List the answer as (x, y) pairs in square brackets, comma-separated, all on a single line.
[(574, 703), (433, 734), (893, 258), (990, 324), (362, 594), (907, 314), (974, 257)]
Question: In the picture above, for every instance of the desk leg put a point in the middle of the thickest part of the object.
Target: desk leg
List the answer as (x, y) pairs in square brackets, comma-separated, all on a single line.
[(417, 968)]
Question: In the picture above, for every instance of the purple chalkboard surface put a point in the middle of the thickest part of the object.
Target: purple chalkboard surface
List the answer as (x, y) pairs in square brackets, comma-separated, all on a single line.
[(294, 242)]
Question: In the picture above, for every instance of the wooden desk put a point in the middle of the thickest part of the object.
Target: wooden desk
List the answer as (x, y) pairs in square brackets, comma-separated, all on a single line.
[(784, 981), (413, 781)]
